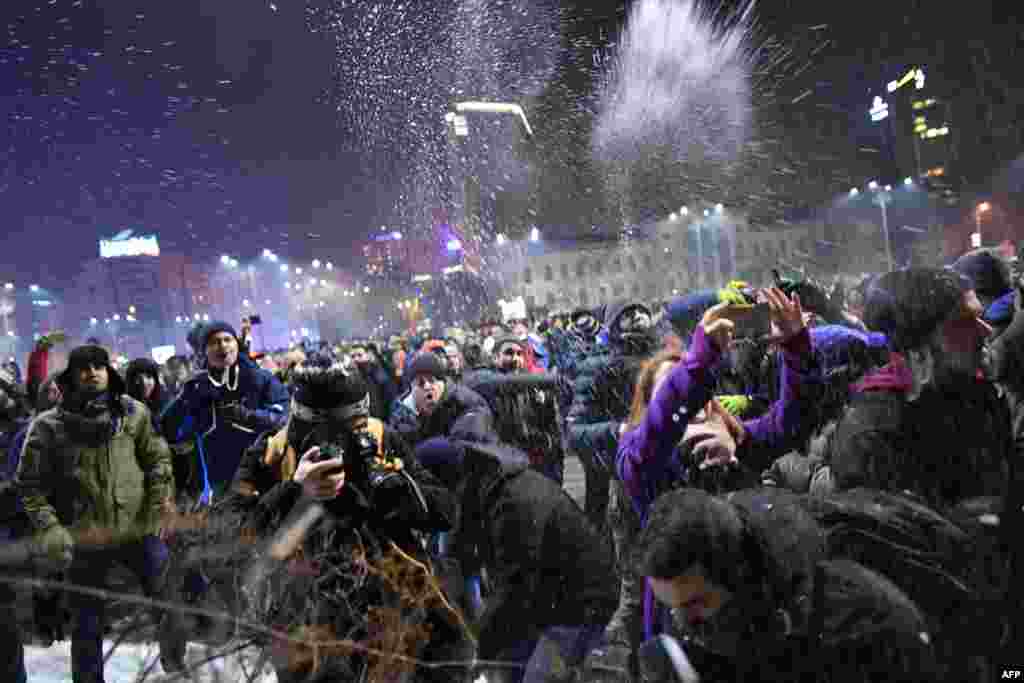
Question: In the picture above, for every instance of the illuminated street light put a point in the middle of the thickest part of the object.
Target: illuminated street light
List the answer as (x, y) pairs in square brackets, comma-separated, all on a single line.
[(131, 309), (267, 253), (197, 316), (888, 188), (316, 264), (707, 213), (396, 235), (94, 321), (719, 208), (287, 285), (872, 185), (908, 181), (984, 207), (500, 239), (245, 302), (672, 216), (268, 302), (225, 259), (33, 288), (685, 211), (323, 283), (9, 286), (284, 268), (117, 316), (535, 235), (366, 290), (298, 271), (854, 192)]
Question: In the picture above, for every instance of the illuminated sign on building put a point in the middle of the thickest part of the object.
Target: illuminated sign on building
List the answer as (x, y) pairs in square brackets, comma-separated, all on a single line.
[(144, 245), (879, 110), (915, 74)]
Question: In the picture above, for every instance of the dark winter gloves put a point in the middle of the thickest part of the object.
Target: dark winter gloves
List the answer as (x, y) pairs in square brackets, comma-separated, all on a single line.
[(236, 413)]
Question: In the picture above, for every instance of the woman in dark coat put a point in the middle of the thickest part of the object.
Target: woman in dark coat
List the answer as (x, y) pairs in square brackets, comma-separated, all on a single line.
[(143, 379)]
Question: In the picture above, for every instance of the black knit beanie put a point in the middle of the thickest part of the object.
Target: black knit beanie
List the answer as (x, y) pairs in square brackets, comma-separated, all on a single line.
[(908, 306), (217, 326)]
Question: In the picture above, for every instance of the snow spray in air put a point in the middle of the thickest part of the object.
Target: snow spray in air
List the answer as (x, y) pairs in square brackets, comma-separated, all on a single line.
[(678, 92)]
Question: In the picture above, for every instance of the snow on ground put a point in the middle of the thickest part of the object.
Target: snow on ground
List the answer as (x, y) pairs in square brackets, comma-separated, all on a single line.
[(131, 660)]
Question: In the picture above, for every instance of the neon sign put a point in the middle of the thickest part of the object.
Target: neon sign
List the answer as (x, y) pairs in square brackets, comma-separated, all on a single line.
[(879, 110), (144, 245)]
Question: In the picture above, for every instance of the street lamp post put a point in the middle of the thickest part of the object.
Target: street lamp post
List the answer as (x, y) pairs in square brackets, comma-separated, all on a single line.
[(883, 202), (984, 207)]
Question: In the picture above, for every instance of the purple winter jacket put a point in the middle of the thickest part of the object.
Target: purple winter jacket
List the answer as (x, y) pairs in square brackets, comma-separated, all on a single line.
[(647, 458)]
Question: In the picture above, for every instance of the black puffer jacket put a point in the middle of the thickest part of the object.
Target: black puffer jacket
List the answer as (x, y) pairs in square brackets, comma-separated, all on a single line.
[(945, 446), (547, 563)]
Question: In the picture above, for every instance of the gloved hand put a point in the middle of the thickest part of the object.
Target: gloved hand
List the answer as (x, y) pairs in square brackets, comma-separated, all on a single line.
[(234, 412), (52, 549), (608, 664)]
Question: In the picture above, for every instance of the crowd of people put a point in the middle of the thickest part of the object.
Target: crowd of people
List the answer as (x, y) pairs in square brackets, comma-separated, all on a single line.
[(791, 482)]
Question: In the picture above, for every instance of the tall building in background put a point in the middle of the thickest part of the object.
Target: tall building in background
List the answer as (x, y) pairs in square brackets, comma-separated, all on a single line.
[(921, 133)]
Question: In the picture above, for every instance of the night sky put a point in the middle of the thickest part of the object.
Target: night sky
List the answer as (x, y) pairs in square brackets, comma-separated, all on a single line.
[(221, 124)]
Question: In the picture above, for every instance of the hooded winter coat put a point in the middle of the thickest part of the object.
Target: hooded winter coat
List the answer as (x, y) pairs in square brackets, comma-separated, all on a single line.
[(548, 565)]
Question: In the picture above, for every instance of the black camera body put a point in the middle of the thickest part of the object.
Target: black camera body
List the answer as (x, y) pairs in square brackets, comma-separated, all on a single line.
[(359, 458)]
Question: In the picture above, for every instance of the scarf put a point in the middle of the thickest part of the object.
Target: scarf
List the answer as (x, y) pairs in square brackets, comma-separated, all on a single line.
[(896, 376), (89, 419)]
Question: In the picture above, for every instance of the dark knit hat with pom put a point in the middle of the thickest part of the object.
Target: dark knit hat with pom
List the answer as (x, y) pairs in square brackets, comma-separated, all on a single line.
[(908, 306)]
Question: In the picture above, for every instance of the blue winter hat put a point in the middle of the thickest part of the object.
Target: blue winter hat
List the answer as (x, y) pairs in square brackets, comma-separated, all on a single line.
[(838, 345), (216, 326), (686, 311)]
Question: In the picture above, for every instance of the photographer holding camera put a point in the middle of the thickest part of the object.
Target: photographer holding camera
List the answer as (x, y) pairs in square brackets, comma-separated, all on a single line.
[(353, 472)]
